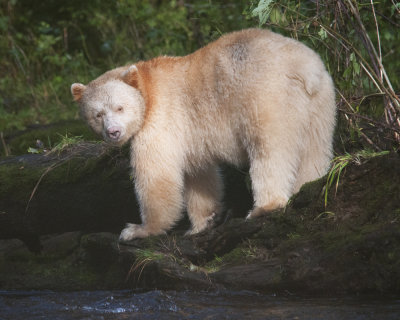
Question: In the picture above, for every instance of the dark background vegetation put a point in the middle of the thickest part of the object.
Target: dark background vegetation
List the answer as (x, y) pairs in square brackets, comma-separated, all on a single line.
[(46, 45)]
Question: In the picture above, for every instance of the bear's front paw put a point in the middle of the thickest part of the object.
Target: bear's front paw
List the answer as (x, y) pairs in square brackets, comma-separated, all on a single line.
[(133, 231)]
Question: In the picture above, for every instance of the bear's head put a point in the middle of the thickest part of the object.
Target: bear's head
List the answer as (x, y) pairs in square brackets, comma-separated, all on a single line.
[(111, 105)]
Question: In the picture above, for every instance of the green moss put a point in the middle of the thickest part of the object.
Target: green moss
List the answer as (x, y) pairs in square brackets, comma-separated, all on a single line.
[(92, 265), (243, 254), (293, 236), (39, 174), (71, 171), (18, 181), (364, 238), (147, 254), (384, 194), (309, 192), (99, 250), (49, 135), (27, 270), (152, 242), (278, 226)]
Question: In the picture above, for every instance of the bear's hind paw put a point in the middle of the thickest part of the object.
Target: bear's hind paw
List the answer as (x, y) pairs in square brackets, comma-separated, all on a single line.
[(261, 211), (205, 224)]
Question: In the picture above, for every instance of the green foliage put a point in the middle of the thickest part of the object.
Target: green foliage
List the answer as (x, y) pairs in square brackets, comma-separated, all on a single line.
[(247, 250), (148, 255), (65, 142), (263, 11), (331, 28), (358, 42), (48, 45)]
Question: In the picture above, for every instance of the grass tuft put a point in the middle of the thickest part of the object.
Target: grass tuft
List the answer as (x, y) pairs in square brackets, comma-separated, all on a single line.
[(339, 163)]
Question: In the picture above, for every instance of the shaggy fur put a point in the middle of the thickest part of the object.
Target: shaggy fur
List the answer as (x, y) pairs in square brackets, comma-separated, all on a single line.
[(251, 97)]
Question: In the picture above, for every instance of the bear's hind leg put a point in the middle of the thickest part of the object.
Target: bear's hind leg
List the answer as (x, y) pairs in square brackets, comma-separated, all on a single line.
[(203, 193), (272, 173)]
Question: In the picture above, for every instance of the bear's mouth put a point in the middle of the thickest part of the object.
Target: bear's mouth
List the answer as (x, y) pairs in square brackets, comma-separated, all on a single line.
[(114, 140)]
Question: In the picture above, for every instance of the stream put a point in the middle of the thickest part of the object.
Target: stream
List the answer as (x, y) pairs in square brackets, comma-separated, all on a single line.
[(16, 305)]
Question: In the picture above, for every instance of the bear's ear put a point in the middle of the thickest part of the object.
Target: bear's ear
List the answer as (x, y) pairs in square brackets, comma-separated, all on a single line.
[(130, 76), (77, 90)]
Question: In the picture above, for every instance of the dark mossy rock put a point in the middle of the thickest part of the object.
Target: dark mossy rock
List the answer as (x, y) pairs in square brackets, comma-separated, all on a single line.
[(69, 261), (351, 244), (55, 268)]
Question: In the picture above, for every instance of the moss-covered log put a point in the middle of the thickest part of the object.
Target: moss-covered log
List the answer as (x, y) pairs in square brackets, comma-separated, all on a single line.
[(86, 187)]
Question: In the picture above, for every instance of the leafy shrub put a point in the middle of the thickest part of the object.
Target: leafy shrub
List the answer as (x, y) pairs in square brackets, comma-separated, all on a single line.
[(359, 42)]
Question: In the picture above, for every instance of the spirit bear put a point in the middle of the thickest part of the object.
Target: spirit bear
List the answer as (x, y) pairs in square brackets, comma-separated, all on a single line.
[(251, 96)]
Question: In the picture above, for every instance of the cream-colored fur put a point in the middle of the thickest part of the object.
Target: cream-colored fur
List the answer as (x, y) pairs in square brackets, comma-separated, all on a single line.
[(250, 97)]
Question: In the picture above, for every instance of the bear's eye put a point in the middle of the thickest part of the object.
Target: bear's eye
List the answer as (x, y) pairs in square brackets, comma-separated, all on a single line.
[(120, 109), (99, 115)]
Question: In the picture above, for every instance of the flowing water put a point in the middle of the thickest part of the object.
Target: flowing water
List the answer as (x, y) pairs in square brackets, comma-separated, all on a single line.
[(188, 305)]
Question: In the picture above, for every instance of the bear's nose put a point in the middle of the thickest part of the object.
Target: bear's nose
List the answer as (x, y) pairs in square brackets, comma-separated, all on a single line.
[(114, 133)]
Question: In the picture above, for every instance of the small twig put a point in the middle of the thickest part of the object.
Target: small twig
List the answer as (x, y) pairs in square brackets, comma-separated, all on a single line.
[(48, 169), (369, 141), (354, 113), (378, 37), (345, 100), (375, 58), (371, 77), (376, 94), (397, 7), (357, 115), (372, 52), (368, 119)]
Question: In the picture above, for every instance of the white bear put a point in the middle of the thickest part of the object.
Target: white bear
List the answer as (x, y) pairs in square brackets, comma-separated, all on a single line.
[(252, 97)]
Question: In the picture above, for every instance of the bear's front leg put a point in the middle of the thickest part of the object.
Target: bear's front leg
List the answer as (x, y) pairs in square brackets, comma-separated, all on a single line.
[(159, 192)]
